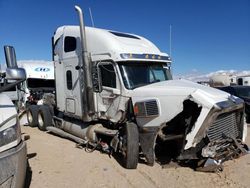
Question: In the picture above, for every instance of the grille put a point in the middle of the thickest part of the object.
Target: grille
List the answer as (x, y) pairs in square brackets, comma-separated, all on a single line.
[(151, 108), (147, 108), (225, 124)]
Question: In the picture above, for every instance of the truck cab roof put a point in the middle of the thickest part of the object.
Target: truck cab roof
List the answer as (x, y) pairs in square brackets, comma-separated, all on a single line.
[(107, 44)]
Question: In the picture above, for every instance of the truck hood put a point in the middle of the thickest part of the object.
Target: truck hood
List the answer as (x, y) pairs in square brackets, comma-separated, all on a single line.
[(7, 108), (182, 89)]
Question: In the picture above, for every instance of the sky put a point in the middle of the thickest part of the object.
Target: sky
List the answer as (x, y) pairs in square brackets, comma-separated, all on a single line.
[(207, 35)]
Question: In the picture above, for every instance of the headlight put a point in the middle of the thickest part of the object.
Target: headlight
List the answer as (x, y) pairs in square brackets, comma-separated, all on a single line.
[(147, 108), (10, 133)]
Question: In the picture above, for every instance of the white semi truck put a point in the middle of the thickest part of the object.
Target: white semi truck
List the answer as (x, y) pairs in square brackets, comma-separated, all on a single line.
[(13, 159), (115, 90)]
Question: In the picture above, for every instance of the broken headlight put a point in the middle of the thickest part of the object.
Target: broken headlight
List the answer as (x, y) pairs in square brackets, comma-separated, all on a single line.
[(10, 133), (147, 108)]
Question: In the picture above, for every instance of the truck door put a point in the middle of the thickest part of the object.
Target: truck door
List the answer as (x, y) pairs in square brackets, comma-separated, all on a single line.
[(110, 96), (73, 92)]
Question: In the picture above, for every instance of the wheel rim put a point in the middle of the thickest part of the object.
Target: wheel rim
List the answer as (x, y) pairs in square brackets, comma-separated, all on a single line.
[(29, 117), (40, 120)]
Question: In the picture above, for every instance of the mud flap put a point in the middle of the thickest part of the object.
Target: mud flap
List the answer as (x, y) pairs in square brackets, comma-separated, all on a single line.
[(147, 142)]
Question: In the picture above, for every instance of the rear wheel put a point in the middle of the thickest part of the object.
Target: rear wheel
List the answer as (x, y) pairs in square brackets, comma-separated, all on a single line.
[(44, 118), (32, 111), (130, 146)]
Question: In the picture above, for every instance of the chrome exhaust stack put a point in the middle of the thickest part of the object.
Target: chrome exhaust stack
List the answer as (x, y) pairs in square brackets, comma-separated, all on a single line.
[(85, 67)]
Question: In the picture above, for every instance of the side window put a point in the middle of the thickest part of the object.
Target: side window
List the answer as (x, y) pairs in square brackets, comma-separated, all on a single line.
[(69, 44), (108, 75), (69, 80)]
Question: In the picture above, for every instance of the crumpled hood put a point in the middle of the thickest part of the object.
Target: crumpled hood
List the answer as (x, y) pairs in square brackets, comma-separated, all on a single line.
[(7, 108), (181, 88)]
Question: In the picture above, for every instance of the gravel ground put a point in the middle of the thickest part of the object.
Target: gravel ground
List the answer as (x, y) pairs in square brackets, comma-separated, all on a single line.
[(56, 162)]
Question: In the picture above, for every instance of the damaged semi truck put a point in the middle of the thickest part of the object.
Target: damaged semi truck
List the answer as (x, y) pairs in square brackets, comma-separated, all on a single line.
[(115, 90)]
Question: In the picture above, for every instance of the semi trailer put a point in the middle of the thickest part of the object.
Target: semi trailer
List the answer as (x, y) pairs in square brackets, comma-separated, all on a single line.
[(39, 81), (114, 91)]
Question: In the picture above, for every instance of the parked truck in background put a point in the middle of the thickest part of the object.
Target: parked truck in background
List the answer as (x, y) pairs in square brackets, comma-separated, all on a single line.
[(13, 161), (115, 90), (40, 80)]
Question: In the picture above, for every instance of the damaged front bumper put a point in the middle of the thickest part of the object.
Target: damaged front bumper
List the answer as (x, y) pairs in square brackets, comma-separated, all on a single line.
[(220, 151), (218, 138)]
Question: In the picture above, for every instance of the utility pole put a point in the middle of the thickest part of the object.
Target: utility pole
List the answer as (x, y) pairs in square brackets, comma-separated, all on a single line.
[(170, 40)]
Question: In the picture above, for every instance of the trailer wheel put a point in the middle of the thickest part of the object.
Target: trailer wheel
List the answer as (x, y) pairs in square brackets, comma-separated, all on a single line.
[(130, 146), (44, 118), (32, 111)]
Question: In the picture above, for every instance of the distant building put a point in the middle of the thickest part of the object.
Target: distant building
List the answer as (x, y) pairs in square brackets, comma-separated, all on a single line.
[(243, 80), (223, 79)]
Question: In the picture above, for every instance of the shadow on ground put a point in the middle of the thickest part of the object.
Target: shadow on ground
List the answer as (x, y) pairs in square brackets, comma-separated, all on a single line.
[(29, 171)]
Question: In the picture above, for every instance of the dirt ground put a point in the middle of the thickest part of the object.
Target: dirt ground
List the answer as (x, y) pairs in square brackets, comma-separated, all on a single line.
[(56, 162)]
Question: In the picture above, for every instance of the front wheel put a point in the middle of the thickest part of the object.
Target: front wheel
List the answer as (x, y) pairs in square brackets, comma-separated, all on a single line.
[(130, 146), (44, 118)]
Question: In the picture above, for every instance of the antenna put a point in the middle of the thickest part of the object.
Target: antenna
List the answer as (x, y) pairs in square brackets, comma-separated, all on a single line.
[(170, 40), (90, 13)]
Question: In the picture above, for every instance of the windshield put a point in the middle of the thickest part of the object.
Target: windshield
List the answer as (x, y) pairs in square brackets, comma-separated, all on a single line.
[(136, 74), (243, 92), (40, 83)]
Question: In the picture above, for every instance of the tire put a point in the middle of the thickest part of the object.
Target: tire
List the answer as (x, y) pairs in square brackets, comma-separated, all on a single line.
[(130, 146), (44, 118), (32, 112)]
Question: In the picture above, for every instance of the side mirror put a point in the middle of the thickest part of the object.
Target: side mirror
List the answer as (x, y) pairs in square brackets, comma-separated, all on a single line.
[(10, 57), (15, 74), (18, 75), (96, 79)]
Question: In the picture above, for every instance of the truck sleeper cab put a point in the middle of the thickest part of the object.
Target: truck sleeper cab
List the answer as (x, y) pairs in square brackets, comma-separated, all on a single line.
[(115, 90)]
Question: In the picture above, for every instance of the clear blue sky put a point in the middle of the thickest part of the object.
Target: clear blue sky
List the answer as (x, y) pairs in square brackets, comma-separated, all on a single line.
[(207, 35)]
